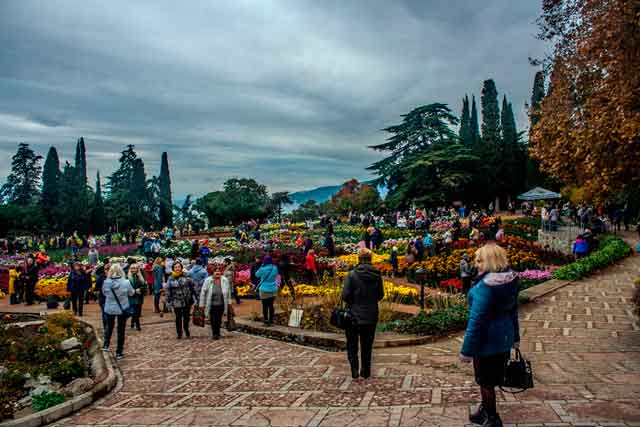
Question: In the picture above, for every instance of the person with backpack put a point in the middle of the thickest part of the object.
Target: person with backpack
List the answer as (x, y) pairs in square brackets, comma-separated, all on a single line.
[(268, 288), (198, 275), (117, 290)]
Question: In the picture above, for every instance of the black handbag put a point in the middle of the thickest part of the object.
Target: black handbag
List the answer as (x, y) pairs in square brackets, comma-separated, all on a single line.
[(518, 374), (342, 318)]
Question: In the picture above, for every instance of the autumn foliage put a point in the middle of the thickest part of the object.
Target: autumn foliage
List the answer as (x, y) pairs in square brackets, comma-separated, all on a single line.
[(588, 132)]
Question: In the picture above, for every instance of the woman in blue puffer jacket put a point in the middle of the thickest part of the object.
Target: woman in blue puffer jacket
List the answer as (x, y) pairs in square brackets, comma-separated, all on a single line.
[(493, 328), (268, 288)]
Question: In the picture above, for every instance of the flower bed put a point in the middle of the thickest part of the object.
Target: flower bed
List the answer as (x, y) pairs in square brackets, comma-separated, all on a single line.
[(36, 366)]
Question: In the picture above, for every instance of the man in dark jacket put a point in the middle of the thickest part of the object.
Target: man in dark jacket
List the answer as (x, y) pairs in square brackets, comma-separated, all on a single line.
[(362, 291), (29, 278), (77, 285)]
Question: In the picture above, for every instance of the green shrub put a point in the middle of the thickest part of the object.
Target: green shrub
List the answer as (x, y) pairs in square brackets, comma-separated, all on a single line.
[(611, 249), (43, 401), (63, 371), (437, 323)]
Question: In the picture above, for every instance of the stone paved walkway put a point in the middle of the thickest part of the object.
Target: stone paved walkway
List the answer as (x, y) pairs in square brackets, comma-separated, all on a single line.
[(583, 341)]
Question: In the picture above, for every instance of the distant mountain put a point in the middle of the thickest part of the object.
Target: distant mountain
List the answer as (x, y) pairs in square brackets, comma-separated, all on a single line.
[(320, 194)]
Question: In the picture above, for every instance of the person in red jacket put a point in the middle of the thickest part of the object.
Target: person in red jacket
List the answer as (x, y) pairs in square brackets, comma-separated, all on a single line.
[(310, 266), (148, 275)]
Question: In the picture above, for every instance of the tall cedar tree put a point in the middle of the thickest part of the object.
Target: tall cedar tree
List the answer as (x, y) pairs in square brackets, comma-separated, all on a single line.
[(587, 133), (465, 132), (475, 128), (24, 180), (166, 204), (50, 184), (421, 130), (98, 219)]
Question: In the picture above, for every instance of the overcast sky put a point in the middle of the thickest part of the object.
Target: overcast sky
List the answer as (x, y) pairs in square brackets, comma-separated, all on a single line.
[(290, 93)]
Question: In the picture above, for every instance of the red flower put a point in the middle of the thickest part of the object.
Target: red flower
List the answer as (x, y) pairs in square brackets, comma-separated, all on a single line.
[(452, 283)]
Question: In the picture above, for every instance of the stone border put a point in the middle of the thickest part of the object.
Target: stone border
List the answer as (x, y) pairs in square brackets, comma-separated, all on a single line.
[(325, 340), (538, 291), (104, 370)]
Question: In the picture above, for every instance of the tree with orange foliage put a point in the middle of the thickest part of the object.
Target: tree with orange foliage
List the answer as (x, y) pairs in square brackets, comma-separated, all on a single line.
[(587, 132)]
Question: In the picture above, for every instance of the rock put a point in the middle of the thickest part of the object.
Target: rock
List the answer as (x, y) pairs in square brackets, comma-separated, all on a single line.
[(70, 344), (24, 402), (41, 389), (41, 380), (79, 386)]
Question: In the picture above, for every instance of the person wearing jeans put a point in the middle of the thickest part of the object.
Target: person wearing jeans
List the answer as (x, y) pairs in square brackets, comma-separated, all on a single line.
[(268, 288), (116, 290), (139, 285), (361, 292), (180, 296), (215, 298), (158, 279), (77, 285)]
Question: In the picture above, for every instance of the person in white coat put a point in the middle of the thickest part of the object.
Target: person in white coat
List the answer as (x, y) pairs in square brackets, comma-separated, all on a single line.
[(215, 298)]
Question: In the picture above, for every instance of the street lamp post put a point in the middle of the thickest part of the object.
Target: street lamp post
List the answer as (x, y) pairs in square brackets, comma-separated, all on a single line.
[(420, 277)]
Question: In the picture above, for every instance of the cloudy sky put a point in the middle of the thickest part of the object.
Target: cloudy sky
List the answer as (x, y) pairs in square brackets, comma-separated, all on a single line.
[(288, 92)]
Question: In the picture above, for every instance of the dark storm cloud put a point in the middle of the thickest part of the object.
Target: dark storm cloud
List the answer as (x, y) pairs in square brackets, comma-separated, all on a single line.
[(290, 93)]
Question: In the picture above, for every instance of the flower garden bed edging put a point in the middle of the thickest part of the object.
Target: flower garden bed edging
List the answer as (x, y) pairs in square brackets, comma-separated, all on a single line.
[(538, 291), (324, 340), (104, 370)]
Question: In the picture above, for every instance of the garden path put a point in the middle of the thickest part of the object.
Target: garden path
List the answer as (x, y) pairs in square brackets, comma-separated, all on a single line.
[(583, 340)]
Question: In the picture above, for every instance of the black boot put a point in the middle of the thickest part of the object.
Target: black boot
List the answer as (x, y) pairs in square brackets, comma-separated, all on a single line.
[(479, 416), (493, 421), (354, 373)]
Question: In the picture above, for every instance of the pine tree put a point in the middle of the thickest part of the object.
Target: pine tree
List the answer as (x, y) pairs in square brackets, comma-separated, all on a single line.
[(23, 181), (536, 97), (466, 133), (166, 204), (490, 113), (475, 128), (98, 219), (50, 183)]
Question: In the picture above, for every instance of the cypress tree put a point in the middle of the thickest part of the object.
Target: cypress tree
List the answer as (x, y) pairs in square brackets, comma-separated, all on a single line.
[(166, 204), (50, 183), (81, 160), (475, 128), (81, 198), (465, 133), (536, 96), (98, 213), (490, 113)]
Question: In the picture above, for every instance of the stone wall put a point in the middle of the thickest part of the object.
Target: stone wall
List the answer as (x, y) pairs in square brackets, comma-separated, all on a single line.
[(558, 240)]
